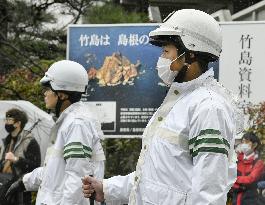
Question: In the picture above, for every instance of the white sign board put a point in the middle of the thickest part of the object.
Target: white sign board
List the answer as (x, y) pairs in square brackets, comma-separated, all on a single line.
[(241, 65)]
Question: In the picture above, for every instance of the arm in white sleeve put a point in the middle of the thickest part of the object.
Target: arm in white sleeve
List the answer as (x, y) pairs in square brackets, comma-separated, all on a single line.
[(77, 154), (118, 188), (98, 159), (33, 179), (211, 133)]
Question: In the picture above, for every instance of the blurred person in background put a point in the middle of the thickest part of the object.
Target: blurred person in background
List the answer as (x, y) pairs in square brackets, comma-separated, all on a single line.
[(250, 168), (237, 146), (21, 154)]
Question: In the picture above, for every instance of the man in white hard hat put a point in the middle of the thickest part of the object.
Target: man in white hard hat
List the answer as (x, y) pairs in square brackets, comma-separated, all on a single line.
[(76, 149), (188, 144)]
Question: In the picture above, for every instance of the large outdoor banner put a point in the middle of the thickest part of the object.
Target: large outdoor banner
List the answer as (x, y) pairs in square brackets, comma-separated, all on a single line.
[(123, 81), (241, 66)]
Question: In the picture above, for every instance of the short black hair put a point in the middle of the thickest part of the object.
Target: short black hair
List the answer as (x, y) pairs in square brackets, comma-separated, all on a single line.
[(164, 40), (18, 115), (73, 96)]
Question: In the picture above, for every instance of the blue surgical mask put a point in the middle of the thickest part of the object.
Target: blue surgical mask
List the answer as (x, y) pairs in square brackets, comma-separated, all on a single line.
[(246, 149)]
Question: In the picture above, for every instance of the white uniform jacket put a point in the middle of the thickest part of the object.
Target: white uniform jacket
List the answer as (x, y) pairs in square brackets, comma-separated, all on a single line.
[(187, 149), (75, 153)]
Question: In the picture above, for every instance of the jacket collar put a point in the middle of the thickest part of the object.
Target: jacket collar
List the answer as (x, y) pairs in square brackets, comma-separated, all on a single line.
[(67, 111), (195, 83), (23, 134), (61, 118), (251, 157), (9, 137)]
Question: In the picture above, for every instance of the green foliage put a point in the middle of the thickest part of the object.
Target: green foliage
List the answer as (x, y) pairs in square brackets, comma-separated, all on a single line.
[(26, 48), (23, 40), (257, 123), (22, 84), (111, 13), (122, 155)]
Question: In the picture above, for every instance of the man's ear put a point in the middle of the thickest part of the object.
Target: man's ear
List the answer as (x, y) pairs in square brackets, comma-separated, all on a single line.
[(62, 96)]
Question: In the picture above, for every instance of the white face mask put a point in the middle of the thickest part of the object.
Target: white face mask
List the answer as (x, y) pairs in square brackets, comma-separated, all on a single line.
[(164, 72), (246, 149)]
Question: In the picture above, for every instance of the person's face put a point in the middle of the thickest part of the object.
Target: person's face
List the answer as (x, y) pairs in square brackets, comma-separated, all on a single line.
[(50, 99), (252, 145), (171, 52), (12, 121), (9, 120)]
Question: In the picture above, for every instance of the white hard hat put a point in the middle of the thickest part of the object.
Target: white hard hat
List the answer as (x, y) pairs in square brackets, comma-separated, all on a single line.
[(197, 30), (66, 75)]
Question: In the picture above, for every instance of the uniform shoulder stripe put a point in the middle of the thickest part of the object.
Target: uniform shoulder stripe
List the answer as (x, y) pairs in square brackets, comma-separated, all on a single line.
[(209, 140), (76, 150)]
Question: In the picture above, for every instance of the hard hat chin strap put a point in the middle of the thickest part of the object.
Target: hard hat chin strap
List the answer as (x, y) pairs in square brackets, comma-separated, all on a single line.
[(181, 75), (58, 107), (58, 104)]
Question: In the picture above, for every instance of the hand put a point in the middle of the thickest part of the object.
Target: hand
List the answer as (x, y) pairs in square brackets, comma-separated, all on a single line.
[(17, 186), (91, 185), (11, 157)]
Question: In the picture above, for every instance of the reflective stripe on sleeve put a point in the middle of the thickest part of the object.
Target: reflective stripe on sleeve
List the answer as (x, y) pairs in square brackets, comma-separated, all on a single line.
[(76, 150), (209, 140)]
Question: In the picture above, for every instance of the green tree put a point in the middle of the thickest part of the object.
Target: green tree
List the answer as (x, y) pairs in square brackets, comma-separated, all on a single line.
[(26, 44), (112, 13), (22, 84), (121, 155), (22, 39), (25, 37)]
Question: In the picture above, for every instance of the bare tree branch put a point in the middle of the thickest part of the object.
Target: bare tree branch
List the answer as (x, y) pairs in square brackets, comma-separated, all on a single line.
[(78, 6), (19, 52)]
